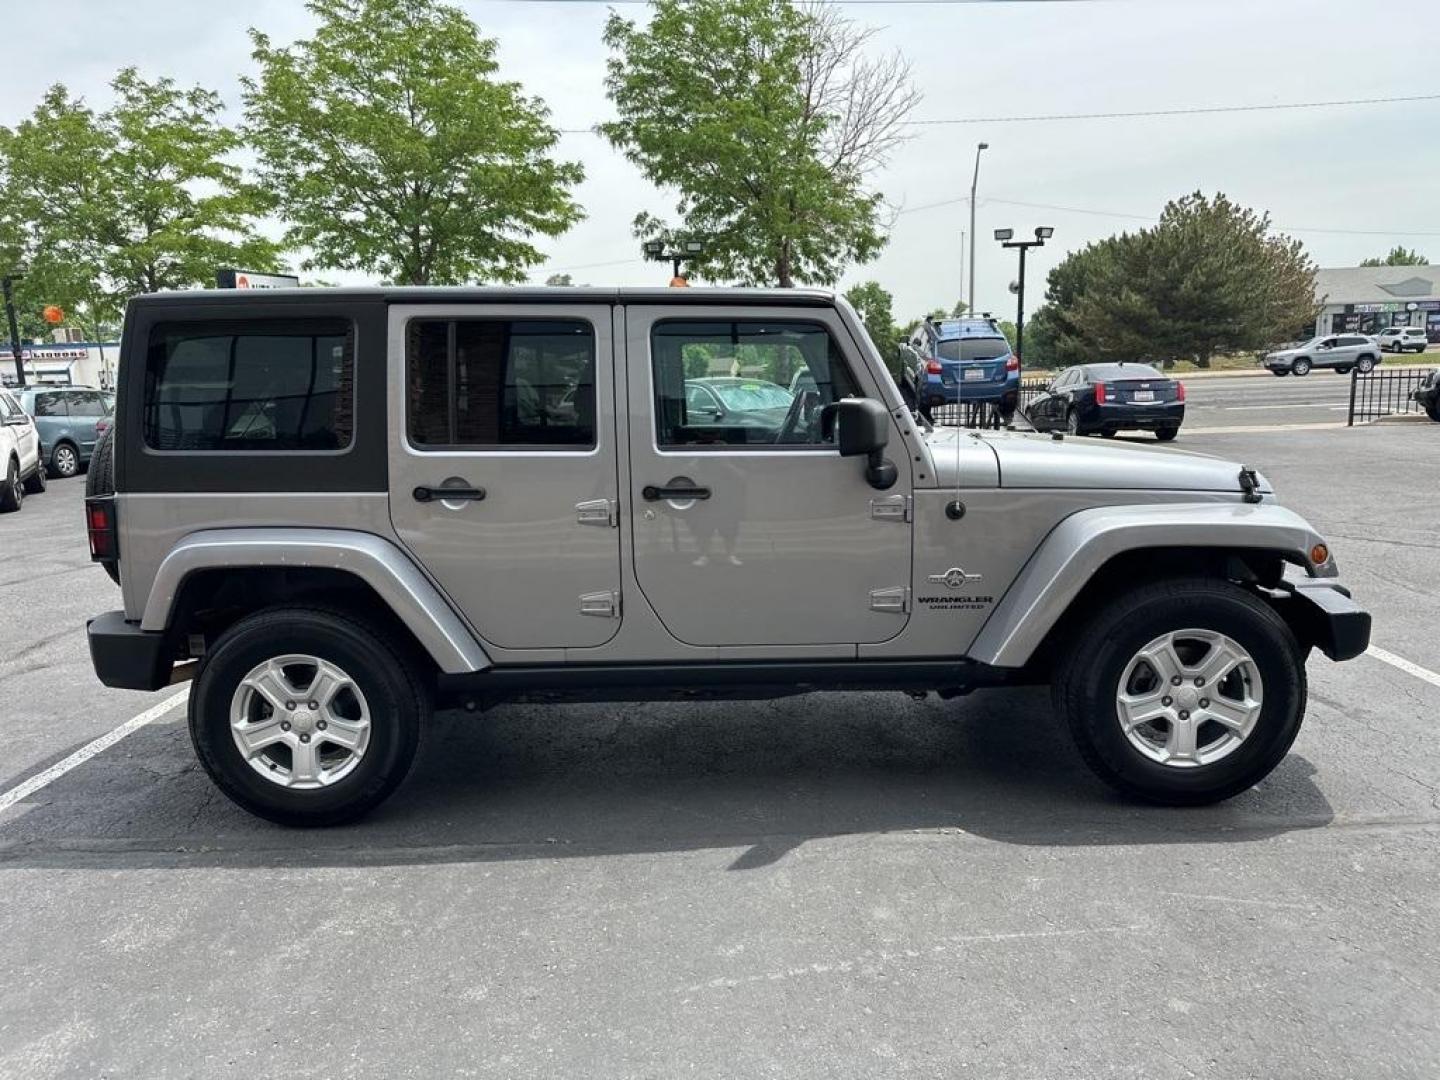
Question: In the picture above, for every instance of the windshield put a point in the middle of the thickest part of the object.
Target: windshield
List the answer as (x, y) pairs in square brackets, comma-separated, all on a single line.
[(973, 349), (753, 395)]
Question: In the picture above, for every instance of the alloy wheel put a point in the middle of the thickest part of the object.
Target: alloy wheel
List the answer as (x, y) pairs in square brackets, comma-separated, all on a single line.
[(66, 462), (300, 721), (1189, 698)]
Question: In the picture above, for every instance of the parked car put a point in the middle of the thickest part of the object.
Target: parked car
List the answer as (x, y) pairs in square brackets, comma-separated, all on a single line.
[(1428, 395), (21, 471), (713, 404), (1403, 339), (955, 360), (69, 419), (1110, 398), (1339, 351), (399, 538)]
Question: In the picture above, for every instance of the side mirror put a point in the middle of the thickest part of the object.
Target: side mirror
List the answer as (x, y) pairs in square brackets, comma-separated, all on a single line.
[(861, 426)]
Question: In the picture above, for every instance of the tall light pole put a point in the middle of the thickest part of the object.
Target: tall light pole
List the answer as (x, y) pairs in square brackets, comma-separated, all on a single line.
[(1042, 233), (974, 183), (7, 286)]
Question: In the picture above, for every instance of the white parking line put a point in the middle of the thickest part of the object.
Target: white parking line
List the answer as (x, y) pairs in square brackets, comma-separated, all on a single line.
[(88, 751), (1307, 405), (1404, 665)]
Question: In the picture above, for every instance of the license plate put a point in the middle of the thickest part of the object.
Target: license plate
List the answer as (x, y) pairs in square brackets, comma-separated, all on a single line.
[(1143, 395), (974, 375)]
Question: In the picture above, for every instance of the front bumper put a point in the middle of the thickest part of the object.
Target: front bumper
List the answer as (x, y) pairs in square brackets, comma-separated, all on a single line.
[(126, 657), (1323, 614)]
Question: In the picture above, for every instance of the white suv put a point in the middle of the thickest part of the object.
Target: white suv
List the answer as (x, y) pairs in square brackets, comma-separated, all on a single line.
[(1402, 339), (20, 471)]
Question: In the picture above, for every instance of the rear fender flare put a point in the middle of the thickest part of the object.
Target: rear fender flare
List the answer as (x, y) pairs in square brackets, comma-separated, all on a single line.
[(1084, 542), (382, 565)]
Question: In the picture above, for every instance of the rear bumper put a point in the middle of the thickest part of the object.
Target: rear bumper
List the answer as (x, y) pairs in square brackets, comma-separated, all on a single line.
[(1325, 616), (1146, 417), (126, 657), (938, 392)]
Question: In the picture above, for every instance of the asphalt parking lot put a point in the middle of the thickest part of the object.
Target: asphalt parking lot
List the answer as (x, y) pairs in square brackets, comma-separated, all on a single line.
[(825, 886)]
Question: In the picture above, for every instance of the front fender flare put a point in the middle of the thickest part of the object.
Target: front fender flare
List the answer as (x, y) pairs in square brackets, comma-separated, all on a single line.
[(1082, 543), (380, 564)]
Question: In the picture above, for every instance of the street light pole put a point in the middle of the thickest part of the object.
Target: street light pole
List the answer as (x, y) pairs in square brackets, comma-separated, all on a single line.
[(1043, 233), (6, 284), (974, 183)]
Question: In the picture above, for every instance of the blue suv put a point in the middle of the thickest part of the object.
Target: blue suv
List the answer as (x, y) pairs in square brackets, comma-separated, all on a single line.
[(955, 360)]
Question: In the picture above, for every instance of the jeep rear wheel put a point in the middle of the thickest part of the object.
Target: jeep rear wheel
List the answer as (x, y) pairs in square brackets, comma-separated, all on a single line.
[(1183, 692), (306, 716)]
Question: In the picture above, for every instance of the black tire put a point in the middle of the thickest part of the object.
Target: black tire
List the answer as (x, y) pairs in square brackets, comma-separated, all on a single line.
[(1300, 368), (1365, 365), (1166, 434), (100, 480), (1087, 682), (397, 702), (35, 482), (12, 490), (1109, 432), (1433, 411), (64, 460)]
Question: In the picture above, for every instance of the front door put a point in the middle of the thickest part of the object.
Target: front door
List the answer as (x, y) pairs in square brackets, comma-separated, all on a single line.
[(749, 527), (502, 465)]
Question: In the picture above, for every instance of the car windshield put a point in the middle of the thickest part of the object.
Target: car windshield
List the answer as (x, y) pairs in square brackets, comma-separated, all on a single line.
[(753, 395), (983, 348), (1110, 372)]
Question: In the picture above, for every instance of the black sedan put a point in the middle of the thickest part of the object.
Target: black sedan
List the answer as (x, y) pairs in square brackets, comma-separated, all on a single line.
[(1109, 398)]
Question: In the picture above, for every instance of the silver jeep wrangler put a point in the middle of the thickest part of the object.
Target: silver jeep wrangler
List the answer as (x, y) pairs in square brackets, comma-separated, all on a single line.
[(337, 510)]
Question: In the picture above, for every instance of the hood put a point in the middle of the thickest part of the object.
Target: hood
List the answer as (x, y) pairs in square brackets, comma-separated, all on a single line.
[(1041, 461)]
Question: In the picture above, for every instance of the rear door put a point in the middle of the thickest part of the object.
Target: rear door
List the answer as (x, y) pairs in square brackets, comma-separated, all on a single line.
[(759, 533), (510, 410)]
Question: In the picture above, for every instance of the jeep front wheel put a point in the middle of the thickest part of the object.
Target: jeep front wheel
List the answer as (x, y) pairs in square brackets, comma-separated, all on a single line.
[(306, 716), (1183, 692)]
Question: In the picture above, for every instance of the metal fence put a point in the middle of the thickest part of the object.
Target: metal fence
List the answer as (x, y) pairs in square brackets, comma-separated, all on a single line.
[(1384, 391), (985, 414)]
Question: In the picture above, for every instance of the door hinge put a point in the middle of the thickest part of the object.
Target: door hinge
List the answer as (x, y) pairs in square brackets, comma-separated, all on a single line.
[(601, 512), (894, 600), (891, 508), (603, 605)]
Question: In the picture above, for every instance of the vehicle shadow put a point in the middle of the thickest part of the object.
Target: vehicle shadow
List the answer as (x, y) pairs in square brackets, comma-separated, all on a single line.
[(545, 782)]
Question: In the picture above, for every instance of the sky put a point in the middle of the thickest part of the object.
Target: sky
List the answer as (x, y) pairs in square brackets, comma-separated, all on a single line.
[(1349, 181)]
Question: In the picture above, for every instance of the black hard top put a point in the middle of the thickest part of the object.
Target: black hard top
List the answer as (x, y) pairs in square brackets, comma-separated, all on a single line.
[(499, 294)]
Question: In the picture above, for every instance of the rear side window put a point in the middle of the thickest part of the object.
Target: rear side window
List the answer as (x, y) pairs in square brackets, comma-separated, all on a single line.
[(85, 403), (254, 385), (494, 384), (49, 403)]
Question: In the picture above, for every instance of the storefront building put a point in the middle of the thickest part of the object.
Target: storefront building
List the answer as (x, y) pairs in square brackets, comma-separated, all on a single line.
[(1367, 299), (78, 363)]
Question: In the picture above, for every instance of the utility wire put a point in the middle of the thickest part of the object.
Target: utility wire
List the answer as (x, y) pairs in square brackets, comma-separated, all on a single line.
[(1197, 110)]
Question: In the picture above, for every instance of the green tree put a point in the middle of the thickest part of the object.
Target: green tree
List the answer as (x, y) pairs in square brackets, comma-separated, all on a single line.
[(1398, 256), (559, 280), (767, 117), (1210, 278), (139, 198), (393, 149), (874, 305)]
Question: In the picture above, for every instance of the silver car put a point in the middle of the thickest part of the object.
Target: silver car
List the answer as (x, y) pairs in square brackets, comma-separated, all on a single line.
[(1340, 352), (338, 510)]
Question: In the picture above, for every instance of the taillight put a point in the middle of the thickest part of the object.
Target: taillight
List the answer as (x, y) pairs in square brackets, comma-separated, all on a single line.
[(1099, 393), (1012, 363), (100, 526), (1179, 390), (934, 367)]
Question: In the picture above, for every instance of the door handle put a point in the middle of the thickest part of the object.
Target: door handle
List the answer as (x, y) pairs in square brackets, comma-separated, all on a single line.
[(651, 493), (429, 494)]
